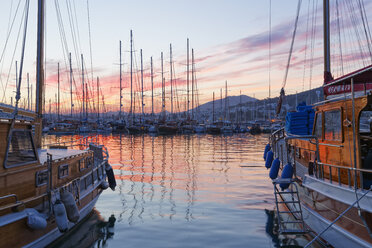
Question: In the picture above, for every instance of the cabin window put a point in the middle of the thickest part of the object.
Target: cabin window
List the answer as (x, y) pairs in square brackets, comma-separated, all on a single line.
[(365, 122), (21, 149), (318, 126), (332, 125)]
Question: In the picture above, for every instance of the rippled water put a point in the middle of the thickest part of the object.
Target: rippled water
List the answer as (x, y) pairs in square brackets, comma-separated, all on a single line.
[(183, 191)]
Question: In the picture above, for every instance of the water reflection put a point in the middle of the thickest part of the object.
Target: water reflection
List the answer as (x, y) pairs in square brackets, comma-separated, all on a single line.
[(205, 190), (94, 231)]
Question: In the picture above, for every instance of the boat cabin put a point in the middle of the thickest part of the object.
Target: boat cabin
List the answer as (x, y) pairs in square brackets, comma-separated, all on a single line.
[(338, 146)]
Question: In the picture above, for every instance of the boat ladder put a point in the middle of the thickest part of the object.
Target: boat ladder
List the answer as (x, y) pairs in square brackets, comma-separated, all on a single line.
[(290, 219)]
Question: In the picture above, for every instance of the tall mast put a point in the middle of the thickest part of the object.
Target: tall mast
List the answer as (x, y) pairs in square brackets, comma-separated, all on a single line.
[(98, 99), (121, 97), (82, 79), (31, 97), (162, 88), (142, 86), (171, 77), (152, 90), (72, 105), (192, 83), (131, 74), (58, 116), (213, 109), (188, 99), (326, 36), (221, 101), (226, 100), (28, 91), (39, 73)]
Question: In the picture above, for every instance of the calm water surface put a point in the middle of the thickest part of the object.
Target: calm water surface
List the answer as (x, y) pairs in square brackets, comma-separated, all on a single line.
[(182, 191)]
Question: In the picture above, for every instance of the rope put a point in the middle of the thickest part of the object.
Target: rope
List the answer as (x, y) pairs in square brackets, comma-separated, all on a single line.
[(292, 43)]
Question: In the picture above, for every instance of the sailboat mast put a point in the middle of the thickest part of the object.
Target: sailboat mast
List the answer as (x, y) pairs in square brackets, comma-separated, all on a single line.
[(97, 99), (226, 100), (192, 83), (72, 105), (162, 88), (39, 73), (171, 77), (28, 91), (213, 109), (326, 36), (82, 79), (120, 65), (188, 99), (152, 90), (142, 86), (58, 116), (131, 74)]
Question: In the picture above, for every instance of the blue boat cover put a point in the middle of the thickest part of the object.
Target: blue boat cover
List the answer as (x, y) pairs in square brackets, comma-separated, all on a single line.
[(300, 122)]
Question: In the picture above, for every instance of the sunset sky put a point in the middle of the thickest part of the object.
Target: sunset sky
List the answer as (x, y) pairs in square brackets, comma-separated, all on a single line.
[(230, 41)]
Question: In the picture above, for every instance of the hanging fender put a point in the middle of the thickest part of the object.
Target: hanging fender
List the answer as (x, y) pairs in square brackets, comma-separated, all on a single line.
[(35, 220), (267, 149), (274, 170), (110, 176), (286, 173), (60, 216), (269, 159), (72, 210)]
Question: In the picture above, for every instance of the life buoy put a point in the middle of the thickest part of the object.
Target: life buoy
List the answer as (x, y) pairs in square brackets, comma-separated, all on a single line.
[(110, 177), (72, 210), (60, 216)]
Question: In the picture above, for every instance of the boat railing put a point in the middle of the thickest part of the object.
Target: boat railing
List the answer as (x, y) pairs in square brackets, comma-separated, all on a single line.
[(277, 135), (336, 174), (16, 202), (73, 143)]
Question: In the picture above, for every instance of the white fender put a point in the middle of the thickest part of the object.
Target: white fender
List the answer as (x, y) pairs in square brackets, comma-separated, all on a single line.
[(61, 216), (72, 210), (35, 220)]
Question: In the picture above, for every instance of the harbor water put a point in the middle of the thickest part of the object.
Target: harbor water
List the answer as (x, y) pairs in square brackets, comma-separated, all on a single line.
[(182, 191)]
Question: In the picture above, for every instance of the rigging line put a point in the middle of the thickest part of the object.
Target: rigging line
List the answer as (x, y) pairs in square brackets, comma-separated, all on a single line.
[(270, 49), (8, 33), (74, 38), (348, 40), (339, 37), (292, 43), (62, 33), (6, 43), (354, 24), (366, 19), (306, 42), (365, 28), (90, 41), (11, 62), (313, 34), (18, 94)]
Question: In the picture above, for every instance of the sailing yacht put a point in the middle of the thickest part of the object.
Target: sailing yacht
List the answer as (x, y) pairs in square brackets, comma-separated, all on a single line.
[(44, 192), (326, 177)]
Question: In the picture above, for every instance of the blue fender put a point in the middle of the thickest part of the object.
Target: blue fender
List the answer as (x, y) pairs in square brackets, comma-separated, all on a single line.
[(286, 173), (269, 159), (274, 170), (267, 149)]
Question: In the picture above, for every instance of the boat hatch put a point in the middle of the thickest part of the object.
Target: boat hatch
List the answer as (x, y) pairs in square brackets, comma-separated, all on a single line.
[(21, 149)]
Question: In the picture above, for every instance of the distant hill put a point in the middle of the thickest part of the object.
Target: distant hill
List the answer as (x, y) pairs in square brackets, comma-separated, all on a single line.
[(231, 101)]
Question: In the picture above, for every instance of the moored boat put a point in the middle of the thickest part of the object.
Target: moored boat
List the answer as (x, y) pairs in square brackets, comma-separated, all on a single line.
[(44, 192), (326, 171)]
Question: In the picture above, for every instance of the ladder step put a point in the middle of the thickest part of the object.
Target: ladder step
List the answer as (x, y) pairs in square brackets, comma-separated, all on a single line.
[(291, 222), (289, 212), (293, 231), (285, 192), (288, 201)]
